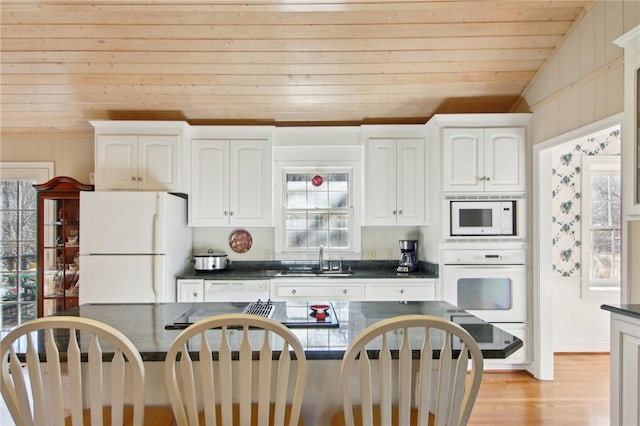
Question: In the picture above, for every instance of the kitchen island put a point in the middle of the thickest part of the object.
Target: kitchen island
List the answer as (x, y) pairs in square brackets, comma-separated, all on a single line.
[(145, 325)]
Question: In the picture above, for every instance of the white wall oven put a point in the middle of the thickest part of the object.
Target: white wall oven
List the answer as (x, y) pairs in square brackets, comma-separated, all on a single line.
[(490, 284)]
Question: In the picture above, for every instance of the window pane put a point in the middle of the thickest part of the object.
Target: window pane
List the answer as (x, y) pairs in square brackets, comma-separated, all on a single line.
[(296, 182), (28, 225), (600, 187), (615, 187), (9, 194), (338, 200), (318, 220), (339, 220), (296, 221), (9, 256), (616, 213), (318, 200), (339, 238), (9, 225), (339, 182), (27, 195), (296, 200), (296, 239), (600, 213), (318, 238)]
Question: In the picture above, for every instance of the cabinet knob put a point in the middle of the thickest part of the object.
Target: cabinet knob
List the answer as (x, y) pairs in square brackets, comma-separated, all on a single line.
[(134, 178), (394, 212), (226, 213), (293, 291), (399, 211), (487, 178), (344, 291), (402, 291), (230, 213), (195, 294), (139, 179)]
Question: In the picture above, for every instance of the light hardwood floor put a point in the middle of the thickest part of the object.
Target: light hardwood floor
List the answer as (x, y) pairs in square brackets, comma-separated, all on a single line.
[(578, 395)]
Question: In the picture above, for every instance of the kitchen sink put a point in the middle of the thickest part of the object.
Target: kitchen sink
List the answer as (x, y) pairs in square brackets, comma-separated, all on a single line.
[(312, 274)]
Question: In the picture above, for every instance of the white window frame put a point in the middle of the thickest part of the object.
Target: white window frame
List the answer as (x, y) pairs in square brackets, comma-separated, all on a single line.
[(300, 159), (594, 165), (40, 172)]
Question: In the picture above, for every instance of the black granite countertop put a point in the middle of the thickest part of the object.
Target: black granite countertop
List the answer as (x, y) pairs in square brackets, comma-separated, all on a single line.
[(632, 310), (145, 325), (266, 270)]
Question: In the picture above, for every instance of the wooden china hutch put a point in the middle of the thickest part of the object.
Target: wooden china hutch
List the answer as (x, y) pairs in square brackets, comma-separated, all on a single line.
[(58, 244)]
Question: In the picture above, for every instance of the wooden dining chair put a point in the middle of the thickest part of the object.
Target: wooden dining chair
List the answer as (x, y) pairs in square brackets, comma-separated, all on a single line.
[(49, 386), (248, 382), (443, 392)]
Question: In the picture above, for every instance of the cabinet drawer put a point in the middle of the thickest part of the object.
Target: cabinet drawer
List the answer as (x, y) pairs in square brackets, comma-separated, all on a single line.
[(401, 291), (190, 291), (346, 291), (235, 291)]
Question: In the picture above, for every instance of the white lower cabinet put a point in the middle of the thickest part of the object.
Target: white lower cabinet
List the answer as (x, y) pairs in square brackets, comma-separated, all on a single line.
[(190, 291), (401, 289), (200, 290), (236, 291), (317, 289), (625, 370), (330, 289), (518, 329)]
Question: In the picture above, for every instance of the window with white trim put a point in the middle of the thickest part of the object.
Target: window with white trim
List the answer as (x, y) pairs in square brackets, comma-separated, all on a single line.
[(317, 210), (601, 216)]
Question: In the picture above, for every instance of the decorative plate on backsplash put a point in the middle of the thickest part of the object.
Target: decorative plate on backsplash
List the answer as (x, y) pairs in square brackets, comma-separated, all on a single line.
[(240, 241)]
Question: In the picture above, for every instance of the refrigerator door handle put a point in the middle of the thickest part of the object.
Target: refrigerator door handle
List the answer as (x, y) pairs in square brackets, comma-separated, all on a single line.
[(154, 278), (155, 223)]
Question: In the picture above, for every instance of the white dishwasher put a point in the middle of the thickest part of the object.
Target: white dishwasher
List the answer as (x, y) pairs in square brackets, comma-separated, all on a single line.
[(236, 291)]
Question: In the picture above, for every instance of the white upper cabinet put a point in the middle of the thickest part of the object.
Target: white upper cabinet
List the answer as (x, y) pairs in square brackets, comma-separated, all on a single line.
[(395, 180), (483, 159), (231, 178), (143, 156)]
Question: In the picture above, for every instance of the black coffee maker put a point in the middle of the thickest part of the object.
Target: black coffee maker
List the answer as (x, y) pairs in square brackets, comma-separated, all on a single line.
[(408, 256)]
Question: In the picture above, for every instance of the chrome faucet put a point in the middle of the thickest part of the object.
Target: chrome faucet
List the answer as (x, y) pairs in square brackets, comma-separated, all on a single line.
[(321, 259)]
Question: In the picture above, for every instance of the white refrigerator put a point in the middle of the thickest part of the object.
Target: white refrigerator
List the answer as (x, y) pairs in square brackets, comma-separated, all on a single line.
[(132, 246)]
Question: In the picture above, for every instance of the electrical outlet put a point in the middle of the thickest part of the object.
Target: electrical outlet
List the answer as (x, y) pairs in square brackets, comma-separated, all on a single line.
[(369, 254)]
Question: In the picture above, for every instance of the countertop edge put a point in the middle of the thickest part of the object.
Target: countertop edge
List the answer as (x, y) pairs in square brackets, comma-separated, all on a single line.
[(631, 310)]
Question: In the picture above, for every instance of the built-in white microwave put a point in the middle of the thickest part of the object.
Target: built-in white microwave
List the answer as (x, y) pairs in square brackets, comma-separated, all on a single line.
[(483, 218)]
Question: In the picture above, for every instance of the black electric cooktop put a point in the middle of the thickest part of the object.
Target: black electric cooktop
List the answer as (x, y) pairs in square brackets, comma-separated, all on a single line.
[(290, 314)]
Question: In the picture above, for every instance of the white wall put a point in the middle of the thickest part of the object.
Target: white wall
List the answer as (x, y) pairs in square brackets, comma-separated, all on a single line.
[(581, 84)]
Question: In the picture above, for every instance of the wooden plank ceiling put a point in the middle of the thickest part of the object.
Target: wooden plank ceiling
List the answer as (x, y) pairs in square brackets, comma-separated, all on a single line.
[(288, 62)]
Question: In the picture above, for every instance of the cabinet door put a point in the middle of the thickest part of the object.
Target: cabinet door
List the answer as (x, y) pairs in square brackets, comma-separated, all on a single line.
[(116, 162), (462, 166), (158, 163), (380, 183), (410, 181), (190, 291), (208, 203), (250, 183), (504, 156)]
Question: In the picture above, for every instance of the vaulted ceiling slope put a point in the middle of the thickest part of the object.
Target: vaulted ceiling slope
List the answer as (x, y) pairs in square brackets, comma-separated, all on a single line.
[(65, 62)]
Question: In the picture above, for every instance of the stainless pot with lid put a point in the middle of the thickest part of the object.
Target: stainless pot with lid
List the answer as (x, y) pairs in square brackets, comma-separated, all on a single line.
[(210, 261)]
